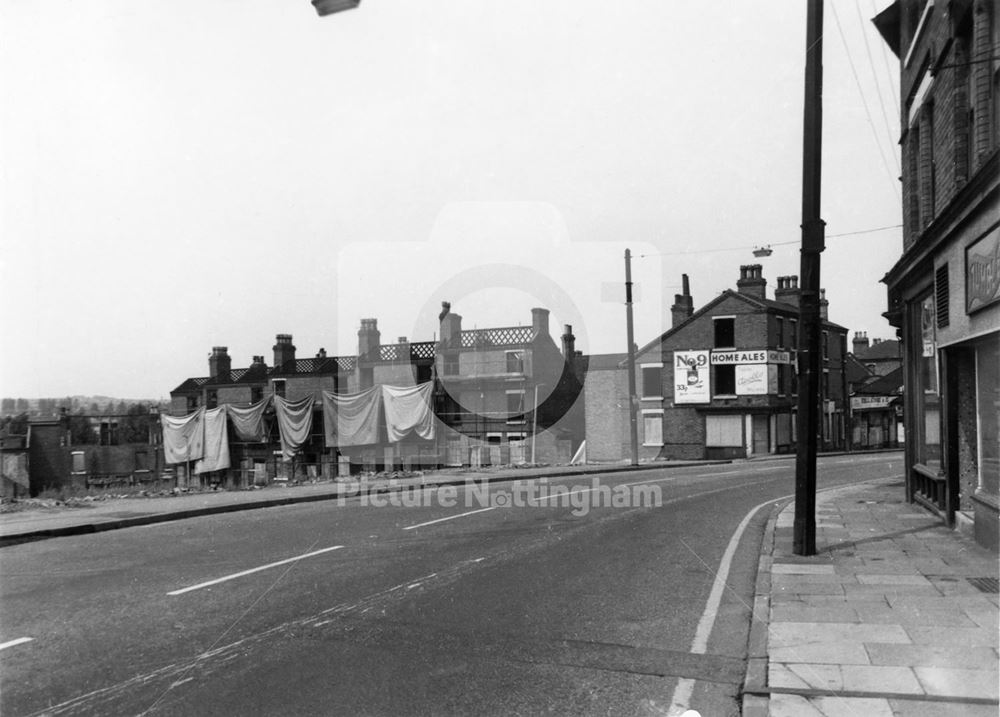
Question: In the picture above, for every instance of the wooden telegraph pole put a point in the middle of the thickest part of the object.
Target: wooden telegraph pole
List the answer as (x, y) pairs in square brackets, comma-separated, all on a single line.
[(813, 239)]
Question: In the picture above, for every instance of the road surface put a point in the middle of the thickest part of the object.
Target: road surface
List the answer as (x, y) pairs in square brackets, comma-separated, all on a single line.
[(505, 600)]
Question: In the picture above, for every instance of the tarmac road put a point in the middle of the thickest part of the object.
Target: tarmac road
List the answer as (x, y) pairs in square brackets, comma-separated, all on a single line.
[(474, 605)]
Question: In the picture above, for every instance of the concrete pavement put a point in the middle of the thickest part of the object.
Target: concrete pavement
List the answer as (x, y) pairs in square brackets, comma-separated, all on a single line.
[(116, 513), (895, 615)]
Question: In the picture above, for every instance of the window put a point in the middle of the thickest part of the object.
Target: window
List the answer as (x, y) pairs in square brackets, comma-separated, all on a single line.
[(725, 332), (781, 332), (652, 427), (782, 378), (925, 398), (725, 380), (211, 398), (826, 346), (278, 385), (652, 381), (109, 433), (794, 342), (826, 384), (192, 403), (515, 362), (723, 431), (256, 394), (515, 406)]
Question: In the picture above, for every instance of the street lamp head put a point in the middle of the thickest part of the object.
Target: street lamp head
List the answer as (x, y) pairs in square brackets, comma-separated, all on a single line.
[(763, 251), (328, 7)]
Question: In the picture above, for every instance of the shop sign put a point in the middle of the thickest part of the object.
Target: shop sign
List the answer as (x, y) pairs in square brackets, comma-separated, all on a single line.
[(750, 356), (691, 377), (867, 403), (751, 379), (982, 272)]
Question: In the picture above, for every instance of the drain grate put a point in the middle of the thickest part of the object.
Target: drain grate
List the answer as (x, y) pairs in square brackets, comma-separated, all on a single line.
[(986, 585)]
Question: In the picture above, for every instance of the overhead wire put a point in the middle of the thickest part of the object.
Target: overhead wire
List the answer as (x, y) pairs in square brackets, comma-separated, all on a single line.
[(878, 89), (780, 243), (864, 103)]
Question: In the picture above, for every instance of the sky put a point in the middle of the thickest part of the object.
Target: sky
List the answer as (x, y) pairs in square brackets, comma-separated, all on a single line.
[(180, 176)]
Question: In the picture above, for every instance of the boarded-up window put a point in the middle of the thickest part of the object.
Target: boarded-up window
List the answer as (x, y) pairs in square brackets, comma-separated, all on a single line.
[(724, 431), (652, 428), (79, 462)]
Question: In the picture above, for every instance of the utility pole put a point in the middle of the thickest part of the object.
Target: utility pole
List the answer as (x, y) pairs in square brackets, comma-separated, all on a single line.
[(813, 238), (633, 431)]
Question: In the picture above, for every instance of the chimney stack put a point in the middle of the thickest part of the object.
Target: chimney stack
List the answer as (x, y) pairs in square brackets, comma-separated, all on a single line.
[(369, 338), (219, 363), (540, 321), (860, 342), (683, 306), (284, 351), (824, 306), (451, 326), (568, 344), (752, 282), (788, 290)]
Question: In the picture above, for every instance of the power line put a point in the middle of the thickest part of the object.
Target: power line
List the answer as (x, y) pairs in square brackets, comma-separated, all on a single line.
[(878, 89), (780, 243), (864, 102)]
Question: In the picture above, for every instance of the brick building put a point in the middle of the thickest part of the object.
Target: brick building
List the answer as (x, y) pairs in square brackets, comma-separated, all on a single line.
[(944, 292), (721, 382), (501, 395)]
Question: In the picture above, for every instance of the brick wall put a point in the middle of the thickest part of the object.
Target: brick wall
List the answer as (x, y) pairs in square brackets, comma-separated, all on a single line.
[(955, 130)]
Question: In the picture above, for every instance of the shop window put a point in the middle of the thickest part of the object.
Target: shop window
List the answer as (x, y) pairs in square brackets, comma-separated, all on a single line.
[(724, 380), (652, 381), (725, 332), (987, 405), (723, 431), (926, 397)]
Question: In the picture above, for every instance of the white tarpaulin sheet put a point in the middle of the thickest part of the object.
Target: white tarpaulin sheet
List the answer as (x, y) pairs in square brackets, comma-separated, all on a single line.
[(216, 456), (294, 423), (183, 437), (352, 419), (248, 423), (408, 410)]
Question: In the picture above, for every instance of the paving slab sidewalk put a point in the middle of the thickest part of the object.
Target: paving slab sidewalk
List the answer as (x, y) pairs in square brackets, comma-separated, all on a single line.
[(896, 615), (116, 513)]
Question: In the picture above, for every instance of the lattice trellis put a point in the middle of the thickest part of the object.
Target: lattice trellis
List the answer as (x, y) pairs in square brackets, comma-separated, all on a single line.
[(346, 363), (422, 350), (505, 336)]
